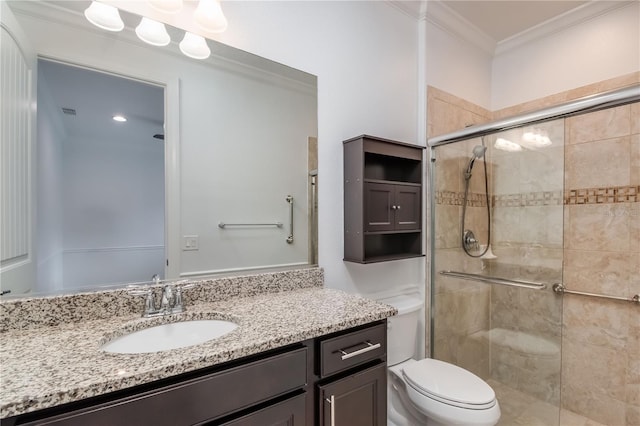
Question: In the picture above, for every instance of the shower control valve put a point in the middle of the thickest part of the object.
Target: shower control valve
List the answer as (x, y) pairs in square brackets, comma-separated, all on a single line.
[(469, 240)]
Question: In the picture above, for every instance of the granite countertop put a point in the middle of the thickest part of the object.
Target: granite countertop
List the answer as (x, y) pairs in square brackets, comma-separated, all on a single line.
[(52, 365)]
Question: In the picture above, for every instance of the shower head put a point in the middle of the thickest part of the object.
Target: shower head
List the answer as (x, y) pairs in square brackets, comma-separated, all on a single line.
[(478, 151)]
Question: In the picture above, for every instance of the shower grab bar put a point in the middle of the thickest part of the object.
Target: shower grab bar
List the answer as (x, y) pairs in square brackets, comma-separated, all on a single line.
[(495, 280), (561, 289), (223, 225)]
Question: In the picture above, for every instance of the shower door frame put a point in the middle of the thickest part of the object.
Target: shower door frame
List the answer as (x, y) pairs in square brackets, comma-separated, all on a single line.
[(583, 105)]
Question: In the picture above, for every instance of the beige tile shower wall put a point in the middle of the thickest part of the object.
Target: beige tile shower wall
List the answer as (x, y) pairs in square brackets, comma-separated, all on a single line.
[(602, 255), (601, 339), (462, 306), (570, 95)]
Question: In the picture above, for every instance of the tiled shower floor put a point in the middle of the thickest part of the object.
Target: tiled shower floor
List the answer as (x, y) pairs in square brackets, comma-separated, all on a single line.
[(521, 409)]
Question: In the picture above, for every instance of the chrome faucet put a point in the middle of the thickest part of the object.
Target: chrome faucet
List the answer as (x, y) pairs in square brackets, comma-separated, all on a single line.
[(170, 302)]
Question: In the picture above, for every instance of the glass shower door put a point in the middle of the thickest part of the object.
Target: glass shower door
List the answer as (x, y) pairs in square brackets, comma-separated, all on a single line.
[(500, 238)]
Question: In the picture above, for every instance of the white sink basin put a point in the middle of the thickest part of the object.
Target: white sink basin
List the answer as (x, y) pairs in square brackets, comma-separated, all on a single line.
[(169, 336)]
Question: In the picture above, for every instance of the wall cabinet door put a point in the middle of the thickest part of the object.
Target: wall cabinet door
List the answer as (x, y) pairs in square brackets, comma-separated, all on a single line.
[(359, 399), (379, 199), (391, 207), (407, 207)]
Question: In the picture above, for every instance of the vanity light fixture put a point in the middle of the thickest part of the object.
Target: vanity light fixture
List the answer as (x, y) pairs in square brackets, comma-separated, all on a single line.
[(104, 16), (194, 46), (507, 145), (119, 118), (209, 17), (536, 138), (152, 32), (166, 6)]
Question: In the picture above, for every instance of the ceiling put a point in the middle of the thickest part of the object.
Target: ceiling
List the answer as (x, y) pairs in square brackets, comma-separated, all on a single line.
[(501, 19), (96, 97)]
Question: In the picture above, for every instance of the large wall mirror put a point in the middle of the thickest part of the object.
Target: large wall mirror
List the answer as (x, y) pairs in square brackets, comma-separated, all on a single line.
[(214, 171)]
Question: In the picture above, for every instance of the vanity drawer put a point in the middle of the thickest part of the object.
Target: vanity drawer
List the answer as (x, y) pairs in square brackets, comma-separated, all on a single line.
[(351, 349), (198, 400)]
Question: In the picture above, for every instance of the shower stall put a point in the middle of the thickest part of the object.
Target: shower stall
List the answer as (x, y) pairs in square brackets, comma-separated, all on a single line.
[(517, 206)]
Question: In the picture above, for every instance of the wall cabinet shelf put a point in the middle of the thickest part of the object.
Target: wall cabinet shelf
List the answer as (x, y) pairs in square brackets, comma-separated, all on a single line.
[(382, 200)]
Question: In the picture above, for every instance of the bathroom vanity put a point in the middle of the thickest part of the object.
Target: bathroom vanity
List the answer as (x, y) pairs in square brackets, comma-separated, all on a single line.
[(299, 356)]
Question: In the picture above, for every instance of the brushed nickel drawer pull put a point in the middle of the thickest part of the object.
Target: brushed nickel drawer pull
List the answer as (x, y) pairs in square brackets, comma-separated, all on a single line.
[(370, 347), (332, 402)]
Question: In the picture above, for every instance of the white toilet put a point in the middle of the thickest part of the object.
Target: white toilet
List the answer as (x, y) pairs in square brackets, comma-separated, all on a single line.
[(428, 391)]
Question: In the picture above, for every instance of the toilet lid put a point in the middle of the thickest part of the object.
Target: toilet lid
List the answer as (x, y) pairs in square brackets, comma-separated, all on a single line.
[(449, 383)]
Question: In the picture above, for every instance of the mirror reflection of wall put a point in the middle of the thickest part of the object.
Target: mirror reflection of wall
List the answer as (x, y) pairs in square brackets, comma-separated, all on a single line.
[(100, 182), (237, 129)]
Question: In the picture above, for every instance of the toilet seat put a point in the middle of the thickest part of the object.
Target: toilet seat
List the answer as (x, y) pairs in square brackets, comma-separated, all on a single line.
[(449, 384)]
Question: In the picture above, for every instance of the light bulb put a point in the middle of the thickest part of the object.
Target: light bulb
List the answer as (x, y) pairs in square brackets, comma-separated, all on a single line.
[(209, 17), (194, 46), (166, 6), (104, 16), (152, 32)]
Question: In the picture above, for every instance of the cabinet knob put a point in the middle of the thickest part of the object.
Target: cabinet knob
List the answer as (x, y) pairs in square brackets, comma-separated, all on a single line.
[(393, 207), (398, 207)]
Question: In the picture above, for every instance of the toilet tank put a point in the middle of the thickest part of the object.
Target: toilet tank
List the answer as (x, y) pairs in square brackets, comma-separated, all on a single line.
[(402, 329)]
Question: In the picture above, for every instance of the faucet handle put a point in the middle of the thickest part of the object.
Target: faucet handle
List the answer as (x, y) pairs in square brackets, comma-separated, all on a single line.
[(178, 305), (167, 296), (149, 303)]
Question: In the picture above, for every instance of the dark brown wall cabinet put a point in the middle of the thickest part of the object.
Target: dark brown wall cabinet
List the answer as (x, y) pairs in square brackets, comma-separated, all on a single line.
[(382, 200)]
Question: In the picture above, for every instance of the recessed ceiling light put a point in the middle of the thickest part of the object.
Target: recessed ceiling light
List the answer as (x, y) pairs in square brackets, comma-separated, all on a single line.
[(120, 118)]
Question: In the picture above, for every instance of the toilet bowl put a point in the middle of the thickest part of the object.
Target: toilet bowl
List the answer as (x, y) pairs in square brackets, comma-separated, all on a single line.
[(428, 391)]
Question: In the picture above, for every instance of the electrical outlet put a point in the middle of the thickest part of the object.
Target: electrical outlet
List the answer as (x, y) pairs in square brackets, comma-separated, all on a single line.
[(190, 242)]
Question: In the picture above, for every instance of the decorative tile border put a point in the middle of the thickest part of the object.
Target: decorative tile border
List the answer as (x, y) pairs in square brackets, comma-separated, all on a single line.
[(528, 199), (452, 198), (616, 194)]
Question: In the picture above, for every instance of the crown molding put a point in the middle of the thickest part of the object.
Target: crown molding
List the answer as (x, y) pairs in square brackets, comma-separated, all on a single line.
[(413, 8), (447, 19), (561, 22)]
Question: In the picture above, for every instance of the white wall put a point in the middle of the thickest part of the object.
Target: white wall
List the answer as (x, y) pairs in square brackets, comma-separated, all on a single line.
[(112, 210), (244, 149), (601, 48), (457, 67), (51, 135), (365, 56)]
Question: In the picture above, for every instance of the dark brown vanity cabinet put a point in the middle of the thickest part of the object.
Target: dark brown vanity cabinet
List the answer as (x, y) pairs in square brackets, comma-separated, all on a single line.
[(382, 200), (280, 387), (352, 390), (269, 389)]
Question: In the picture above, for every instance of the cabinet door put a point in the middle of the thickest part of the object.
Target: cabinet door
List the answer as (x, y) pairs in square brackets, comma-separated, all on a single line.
[(407, 206), (356, 400), (290, 412), (378, 199)]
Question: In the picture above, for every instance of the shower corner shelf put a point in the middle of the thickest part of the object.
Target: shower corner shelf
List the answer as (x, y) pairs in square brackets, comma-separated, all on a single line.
[(382, 200)]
